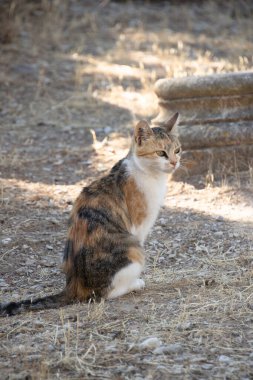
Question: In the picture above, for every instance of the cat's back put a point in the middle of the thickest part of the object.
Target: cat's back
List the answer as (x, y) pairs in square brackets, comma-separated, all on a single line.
[(99, 242), (110, 185), (103, 200)]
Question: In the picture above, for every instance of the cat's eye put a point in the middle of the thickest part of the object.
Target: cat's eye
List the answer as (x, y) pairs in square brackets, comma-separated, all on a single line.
[(176, 151), (162, 153)]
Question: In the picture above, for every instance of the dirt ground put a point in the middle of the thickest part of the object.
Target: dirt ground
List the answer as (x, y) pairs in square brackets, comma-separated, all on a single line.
[(75, 76)]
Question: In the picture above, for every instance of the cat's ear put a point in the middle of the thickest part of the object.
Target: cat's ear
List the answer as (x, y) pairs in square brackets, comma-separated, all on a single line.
[(142, 132), (171, 124)]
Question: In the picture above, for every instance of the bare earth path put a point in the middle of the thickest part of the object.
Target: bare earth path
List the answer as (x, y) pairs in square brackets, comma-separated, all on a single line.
[(79, 66)]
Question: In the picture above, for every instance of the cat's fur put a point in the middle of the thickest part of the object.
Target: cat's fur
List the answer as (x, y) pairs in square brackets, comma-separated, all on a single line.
[(110, 220)]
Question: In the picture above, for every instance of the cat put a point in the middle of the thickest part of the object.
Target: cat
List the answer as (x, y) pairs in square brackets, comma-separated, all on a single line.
[(110, 220)]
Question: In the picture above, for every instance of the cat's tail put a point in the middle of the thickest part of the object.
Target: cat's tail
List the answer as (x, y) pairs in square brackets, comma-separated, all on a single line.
[(48, 302)]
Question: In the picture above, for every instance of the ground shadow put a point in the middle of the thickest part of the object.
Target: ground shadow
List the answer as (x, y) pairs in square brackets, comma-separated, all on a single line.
[(57, 154)]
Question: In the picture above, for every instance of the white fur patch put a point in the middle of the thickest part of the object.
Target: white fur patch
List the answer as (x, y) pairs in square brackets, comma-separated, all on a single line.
[(154, 190), (126, 280)]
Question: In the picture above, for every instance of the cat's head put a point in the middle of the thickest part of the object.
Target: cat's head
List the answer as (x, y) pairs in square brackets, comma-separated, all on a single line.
[(157, 149)]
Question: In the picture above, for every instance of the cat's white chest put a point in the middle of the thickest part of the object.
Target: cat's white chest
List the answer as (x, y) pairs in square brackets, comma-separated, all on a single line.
[(154, 191)]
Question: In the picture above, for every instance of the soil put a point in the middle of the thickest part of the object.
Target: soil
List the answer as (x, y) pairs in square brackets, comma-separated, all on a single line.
[(75, 76)]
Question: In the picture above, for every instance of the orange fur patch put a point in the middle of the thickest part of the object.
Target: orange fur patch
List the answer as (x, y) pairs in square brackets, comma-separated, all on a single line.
[(67, 265), (137, 205), (76, 290), (136, 255)]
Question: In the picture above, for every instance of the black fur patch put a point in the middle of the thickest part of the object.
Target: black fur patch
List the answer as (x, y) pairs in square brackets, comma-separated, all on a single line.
[(68, 250), (48, 302), (160, 133), (9, 309), (99, 217), (115, 180), (95, 272)]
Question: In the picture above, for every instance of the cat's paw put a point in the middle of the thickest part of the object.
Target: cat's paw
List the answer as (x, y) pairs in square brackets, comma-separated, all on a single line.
[(139, 284)]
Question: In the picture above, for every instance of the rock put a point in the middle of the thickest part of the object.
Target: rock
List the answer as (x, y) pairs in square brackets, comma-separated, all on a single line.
[(218, 234), (15, 295), (34, 357), (150, 343), (225, 359), (185, 326), (168, 349), (216, 120), (59, 162), (177, 369), (6, 241), (20, 270), (172, 254), (3, 283), (163, 222), (111, 348), (38, 323), (20, 122), (30, 262), (50, 348), (207, 366), (108, 129), (211, 85)]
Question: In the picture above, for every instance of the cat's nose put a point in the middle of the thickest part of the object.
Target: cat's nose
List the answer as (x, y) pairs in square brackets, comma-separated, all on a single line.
[(173, 163)]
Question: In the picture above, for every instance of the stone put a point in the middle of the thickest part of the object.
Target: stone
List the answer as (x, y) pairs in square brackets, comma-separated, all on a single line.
[(150, 343), (216, 120), (38, 323), (163, 222), (108, 129), (207, 366), (224, 359), (185, 326), (218, 234), (193, 87), (220, 219), (6, 241), (168, 349), (51, 348), (3, 283)]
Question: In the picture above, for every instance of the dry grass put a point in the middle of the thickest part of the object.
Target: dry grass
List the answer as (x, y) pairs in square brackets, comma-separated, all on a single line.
[(71, 67)]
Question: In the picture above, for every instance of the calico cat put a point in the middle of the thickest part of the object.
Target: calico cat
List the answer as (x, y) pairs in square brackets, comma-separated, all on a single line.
[(110, 220)]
